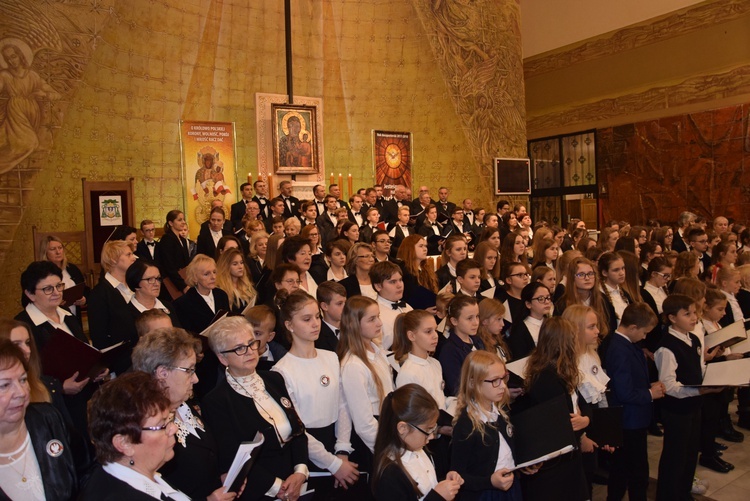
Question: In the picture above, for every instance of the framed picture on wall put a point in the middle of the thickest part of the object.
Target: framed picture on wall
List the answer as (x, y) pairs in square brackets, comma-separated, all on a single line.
[(392, 158), (295, 139)]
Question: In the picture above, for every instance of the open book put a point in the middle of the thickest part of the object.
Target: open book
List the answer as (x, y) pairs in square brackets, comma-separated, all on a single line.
[(63, 355), (729, 373), (728, 336), (243, 462)]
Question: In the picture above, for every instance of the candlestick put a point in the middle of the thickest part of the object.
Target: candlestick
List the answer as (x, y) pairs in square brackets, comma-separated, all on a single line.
[(331, 179), (249, 178), (350, 185), (270, 186), (341, 180)]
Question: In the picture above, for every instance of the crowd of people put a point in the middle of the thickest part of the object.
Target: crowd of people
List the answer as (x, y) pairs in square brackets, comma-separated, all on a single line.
[(367, 342)]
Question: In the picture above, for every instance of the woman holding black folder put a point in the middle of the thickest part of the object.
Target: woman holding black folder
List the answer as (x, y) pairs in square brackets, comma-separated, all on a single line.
[(169, 355), (552, 370)]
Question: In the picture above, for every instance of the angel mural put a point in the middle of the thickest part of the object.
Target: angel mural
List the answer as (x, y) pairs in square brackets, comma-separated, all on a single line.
[(21, 90)]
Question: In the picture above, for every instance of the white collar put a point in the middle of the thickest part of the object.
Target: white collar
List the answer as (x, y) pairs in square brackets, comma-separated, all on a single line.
[(120, 287), (452, 270), (534, 321), (157, 306), (36, 315), (417, 360), (154, 488), (187, 423), (387, 302), (332, 327)]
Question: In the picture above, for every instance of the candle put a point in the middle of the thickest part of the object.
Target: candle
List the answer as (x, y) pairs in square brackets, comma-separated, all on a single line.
[(332, 181), (270, 186), (341, 181), (350, 185), (249, 178)]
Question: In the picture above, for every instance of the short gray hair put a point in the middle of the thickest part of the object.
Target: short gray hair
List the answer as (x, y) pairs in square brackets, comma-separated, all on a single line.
[(220, 332), (163, 347)]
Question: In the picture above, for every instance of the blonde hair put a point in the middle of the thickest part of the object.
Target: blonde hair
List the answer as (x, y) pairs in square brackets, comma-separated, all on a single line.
[(474, 370), (253, 250), (44, 244), (577, 314), (744, 275), (244, 292), (191, 272), (489, 308), (111, 253)]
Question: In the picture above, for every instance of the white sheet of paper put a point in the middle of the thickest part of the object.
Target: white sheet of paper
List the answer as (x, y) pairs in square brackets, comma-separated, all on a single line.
[(727, 334), (729, 373), (518, 367)]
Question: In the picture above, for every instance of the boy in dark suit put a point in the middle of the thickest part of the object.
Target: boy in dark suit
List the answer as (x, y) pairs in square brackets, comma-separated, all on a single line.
[(331, 297), (263, 320), (629, 381), (147, 248)]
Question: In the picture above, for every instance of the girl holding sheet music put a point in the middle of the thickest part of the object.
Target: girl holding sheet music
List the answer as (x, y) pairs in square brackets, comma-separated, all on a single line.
[(482, 448), (313, 380), (552, 370), (403, 470)]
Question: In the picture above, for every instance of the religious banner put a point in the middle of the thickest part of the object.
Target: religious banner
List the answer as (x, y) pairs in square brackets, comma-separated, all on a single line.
[(208, 169), (110, 210), (392, 158)]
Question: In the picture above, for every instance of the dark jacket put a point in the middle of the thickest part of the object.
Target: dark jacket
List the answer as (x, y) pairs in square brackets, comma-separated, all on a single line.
[(206, 243), (520, 342), (110, 322), (59, 478), (141, 250), (173, 257), (327, 339), (351, 284), (235, 419), (102, 486), (43, 332), (394, 485), (452, 357), (629, 381)]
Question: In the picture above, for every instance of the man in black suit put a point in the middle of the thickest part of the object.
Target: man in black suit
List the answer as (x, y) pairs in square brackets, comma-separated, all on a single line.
[(371, 225), (401, 229), (698, 243), (148, 247), (371, 199), (276, 209), (444, 207), (357, 213), (418, 208), (379, 201), (332, 297), (238, 209), (319, 194), (291, 204), (261, 196), (684, 222), (468, 206), (335, 190)]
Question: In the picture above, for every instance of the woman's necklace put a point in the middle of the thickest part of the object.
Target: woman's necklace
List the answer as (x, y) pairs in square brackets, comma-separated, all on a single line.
[(11, 460)]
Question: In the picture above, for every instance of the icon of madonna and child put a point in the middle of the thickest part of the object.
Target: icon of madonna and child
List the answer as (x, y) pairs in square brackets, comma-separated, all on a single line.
[(295, 145)]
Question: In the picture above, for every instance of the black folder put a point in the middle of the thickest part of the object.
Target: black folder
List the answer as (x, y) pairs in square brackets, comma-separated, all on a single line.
[(63, 355), (606, 426), (421, 298), (542, 429)]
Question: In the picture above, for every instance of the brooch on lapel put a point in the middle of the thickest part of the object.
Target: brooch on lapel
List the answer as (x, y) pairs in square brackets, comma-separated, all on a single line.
[(509, 430), (594, 370), (54, 448), (286, 403), (325, 380)]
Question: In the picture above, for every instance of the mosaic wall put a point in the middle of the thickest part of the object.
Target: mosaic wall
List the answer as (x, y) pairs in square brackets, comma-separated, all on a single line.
[(102, 85), (658, 168)]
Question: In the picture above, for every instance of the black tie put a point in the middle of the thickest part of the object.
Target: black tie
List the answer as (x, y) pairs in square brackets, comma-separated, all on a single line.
[(355, 213), (337, 332), (399, 304), (151, 244)]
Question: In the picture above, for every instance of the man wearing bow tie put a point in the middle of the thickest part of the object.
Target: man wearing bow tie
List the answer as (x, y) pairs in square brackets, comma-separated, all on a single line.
[(327, 221), (319, 192), (401, 229), (290, 203), (387, 280), (355, 214), (444, 207), (239, 208), (468, 213), (261, 196), (147, 248)]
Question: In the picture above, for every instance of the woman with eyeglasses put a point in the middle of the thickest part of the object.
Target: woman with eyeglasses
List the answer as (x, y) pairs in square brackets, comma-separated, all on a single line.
[(582, 287), (524, 334), (133, 430), (247, 402), (360, 259), (515, 276), (145, 279), (170, 356)]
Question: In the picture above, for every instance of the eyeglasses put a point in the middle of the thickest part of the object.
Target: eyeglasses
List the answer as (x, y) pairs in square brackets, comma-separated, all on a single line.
[(582, 275), (520, 275), (497, 381), (383, 241), (291, 281), (186, 370), (152, 280), (241, 350), (51, 288), (170, 420), (427, 433), (665, 276), (542, 299)]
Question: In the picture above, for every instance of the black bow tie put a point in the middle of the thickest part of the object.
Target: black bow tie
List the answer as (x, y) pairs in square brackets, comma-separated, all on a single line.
[(399, 304), (355, 213), (337, 332), (151, 244)]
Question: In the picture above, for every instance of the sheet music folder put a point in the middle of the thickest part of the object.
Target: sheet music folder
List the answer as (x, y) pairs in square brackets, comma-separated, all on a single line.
[(243, 462), (64, 354), (543, 432)]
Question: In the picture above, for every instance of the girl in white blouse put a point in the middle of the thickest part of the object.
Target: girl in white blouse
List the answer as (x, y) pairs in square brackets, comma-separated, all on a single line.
[(365, 374), (313, 380)]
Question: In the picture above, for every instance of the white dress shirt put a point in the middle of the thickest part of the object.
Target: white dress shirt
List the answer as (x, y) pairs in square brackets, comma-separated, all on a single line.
[(154, 488), (534, 325), (658, 293), (209, 299), (388, 317), (420, 469), (667, 365), (427, 373), (122, 288)]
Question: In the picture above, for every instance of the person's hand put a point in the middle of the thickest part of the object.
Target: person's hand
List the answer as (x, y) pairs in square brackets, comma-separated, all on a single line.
[(81, 301), (735, 356), (347, 474), (515, 392), (290, 489), (502, 479), (432, 310), (588, 445), (578, 422), (103, 376), (446, 430), (657, 390), (711, 354), (609, 448), (449, 487), (73, 387), (220, 495)]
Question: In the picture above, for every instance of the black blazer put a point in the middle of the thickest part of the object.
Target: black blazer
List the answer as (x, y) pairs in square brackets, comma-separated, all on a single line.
[(195, 316), (235, 419), (173, 257), (351, 284), (236, 214), (327, 339), (653, 337), (294, 202), (398, 237), (206, 243), (43, 332), (141, 250), (444, 276), (102, 486), (45, 424), (474, 455), (110, 322), (520, 342), (394, 485), (265, 211), (194, 469)]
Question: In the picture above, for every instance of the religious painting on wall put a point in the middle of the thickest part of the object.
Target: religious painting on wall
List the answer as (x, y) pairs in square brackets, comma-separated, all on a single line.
[(208, 169), (295, 139), (392, 158)]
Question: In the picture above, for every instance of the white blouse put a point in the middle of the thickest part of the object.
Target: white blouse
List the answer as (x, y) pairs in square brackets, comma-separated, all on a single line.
[(419, 467), (593, 379), (427, 373)]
